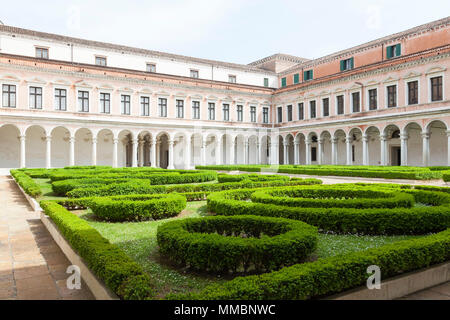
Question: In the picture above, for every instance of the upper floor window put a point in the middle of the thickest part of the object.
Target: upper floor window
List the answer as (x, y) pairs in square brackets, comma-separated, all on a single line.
[(232, 78), (326, 107), (253, 114), (312, 109), (9, 95), (105, 102), (436, 88), (265, 115), (195, 109), (42, 53), (289, 113), (280, 114), (145, 106), (211, 111), (126, 104), (100, 61), (266, 82), (347, 64), (194, 73), (83, 101), (296, 78), (373, 99), (308, 75), (61, 99), (301, 111), (226, 112), (180, 108), (394, 51), (391, 96), (340, 104), (162, 104), (413, 92), (240, 113), (356, 105), (35, 97), (151, 67), (283, 82)]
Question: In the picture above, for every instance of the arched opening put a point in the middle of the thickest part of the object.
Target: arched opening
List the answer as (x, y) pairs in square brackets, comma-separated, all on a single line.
[(313, 149), (253, 155), (9, 146), (240, 150), (226, 149), (414, 144), (438, 143), (162, 146), (125, 149), (105, 145), (393, 145), (196, 149), (211, 149), (144, 149), (280, 150), (83, 147), (373, 141), (356, 146), (265, 150), (341, 155), (325, 137), (289, 152), (35, 147), (300, 139), (179, 150), (60, 150)]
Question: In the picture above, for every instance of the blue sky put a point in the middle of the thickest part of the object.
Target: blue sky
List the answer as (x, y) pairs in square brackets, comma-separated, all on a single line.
[(238, 31)]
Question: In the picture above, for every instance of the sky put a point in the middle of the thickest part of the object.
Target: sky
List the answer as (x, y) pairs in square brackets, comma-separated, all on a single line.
[(239, 31)]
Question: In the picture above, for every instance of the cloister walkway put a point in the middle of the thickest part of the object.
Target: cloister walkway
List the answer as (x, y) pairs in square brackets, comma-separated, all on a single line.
[(32, 266)]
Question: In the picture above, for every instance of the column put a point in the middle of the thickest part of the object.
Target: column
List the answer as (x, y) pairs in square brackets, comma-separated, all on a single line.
[(334, 157), (286, 152), (141, 152), (425, 149), (72, 151), (153, 152), (171, 166), (274, 153), (348, 142), (233, 145), (258, 152), (94, 151), (48, 154), (115, 153), (246, 144), (218, 151), (320, 155), (383, 146), (296, 152), (203, 152), (134, 143), (365, 141), (404, 148), (308, 151), (22, 151), (448, 147)]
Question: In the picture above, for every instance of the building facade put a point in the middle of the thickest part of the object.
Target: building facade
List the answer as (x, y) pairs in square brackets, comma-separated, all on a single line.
[(68, 101)]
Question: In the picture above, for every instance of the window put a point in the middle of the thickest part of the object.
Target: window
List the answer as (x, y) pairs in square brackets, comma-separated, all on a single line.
[(436, 88), (9, 95), (105, 102), (392, 96), (194, 74), (313, 154), (413, 92), (42, 53), (211, 111), (162, 104), (195, 109), (280, 114), (340, 104), (61, 99), (356, 107), (240, 113), (283, 82), (265, 115), (326, 107), (232, 78), (308, 75), (100, 61), (296, 78), (394, 51), (180, 108), (301, 111), (373, 100), (35, 97), (312, 109), (145, 106), (253, 114), (347, 64), (266, 82), (289, 113), (83, 101), (126, 104), (151, 67), (226, 112)]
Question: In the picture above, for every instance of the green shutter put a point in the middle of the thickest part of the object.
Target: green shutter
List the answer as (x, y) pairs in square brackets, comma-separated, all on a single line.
[(398, 50), (266, 82), (351, 63), (283, 82), (296, 78), (389, 52), (311, 75), (342, 65)]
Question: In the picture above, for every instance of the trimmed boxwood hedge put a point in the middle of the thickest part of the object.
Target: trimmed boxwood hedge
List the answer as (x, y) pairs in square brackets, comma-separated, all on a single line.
[(224, 244), (27, 183), (119, 272)]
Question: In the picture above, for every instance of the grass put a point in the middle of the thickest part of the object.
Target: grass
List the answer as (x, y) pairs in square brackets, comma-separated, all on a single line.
[(47, 192)]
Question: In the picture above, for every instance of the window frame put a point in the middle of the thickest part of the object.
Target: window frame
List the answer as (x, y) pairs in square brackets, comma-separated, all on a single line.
[(42, 49), (35, 94), (179, 105), (211, 110), (9, 92), (196, 112), (145, 106), (80, 104), (226, 111), (430, 87), (280, 114), (323, 106), (310, 109), (265, 115), (101, 102), (57, 98), (240, 113), (352, 100), (194, 73), (368, 100), (302, 104), (407, 91), (253, 114), (387, 86), (289, 113), (162, 107), (147, 67), (124, 104), (99, 58), (266, 82), (231, 77), (340, 94)]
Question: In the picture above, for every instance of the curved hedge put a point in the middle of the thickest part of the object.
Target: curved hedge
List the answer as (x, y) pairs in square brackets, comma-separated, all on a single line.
[(223, 244), (27, 183), (137, 207)]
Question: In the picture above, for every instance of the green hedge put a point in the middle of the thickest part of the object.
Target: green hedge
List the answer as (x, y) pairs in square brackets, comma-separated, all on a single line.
[(253, 177), (331, 275), (224, 244), (119, 272), (27, 183)]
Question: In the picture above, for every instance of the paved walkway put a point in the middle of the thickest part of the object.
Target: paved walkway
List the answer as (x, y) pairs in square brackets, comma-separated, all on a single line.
[(32, 266), (441, 292)]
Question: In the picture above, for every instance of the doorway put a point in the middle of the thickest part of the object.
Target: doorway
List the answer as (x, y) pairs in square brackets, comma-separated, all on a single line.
[(396, 156)]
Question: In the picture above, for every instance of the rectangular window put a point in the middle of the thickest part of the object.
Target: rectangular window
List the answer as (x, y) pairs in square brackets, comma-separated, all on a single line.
[(413, 92), (231, 79), (356, 107), (35, 97), (100, 61), (105, 102), (151, 67), (162, 104), (240, 113), (313, 154), (9, 95), (394, 51), (392, 96), (211, 111), (226, 112), (373, 100), (326, 107), (296, 78), (194, 73), (301, 111), (347, 64), (283, 82), (280, 114), (126, 104), (42, 53), (289, 113), (61, 99), (266, 82), (265, 115), (180, 109), (436, 88), (145, 106), (308, 75), (253, 114), (312, 109), (83, 101), (196, 110), (340, 104)]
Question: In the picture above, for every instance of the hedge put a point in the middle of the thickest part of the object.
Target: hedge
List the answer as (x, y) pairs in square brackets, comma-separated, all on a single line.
[(224, 244), (331, 275), (119, 272), (253, 177), (27, 183)]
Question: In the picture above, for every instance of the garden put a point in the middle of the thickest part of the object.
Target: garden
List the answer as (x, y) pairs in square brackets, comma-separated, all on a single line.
[(197, 234)]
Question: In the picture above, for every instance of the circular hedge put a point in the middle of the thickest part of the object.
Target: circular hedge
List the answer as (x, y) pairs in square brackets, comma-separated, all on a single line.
[(137, 207), (238, 243)]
